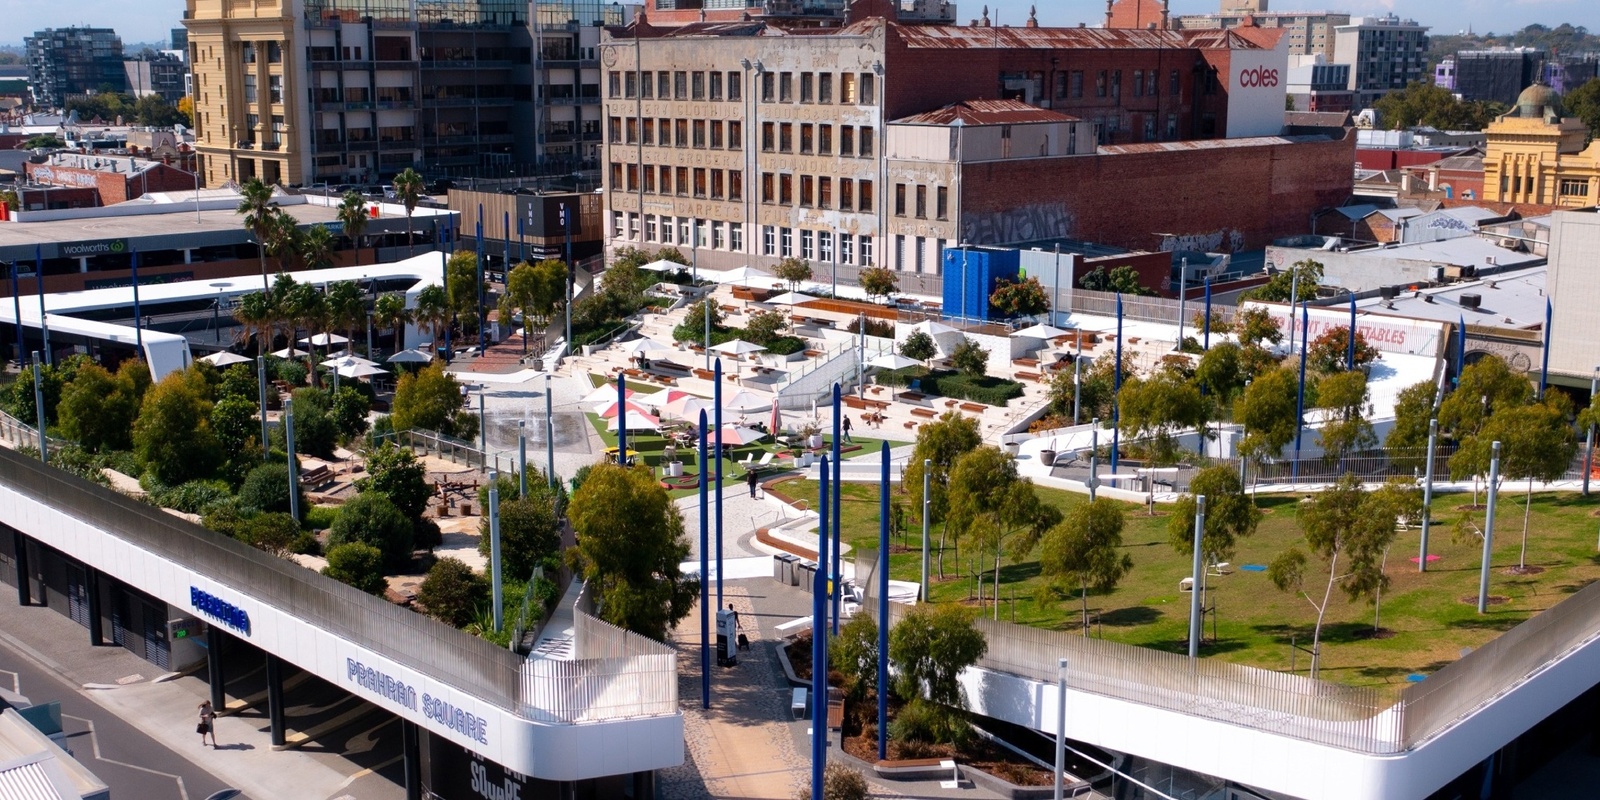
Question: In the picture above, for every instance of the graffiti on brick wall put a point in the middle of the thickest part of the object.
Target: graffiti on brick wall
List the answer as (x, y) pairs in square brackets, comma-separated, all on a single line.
[(1022, 224), (1223, 241)]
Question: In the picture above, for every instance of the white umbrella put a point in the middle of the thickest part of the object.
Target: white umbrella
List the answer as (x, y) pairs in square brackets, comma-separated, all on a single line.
[(643, 345), (225, 358), (687, 407), (744, 275), (637, 421), (288, 352), (604, 393), (657, 400), (933, 328), (411, 357), (893, 361), (738, 435), (743, 402), (663, 265), (789, 299), (324, 339), (738, 347), (360, 371), (346, 360), (1040, 332)]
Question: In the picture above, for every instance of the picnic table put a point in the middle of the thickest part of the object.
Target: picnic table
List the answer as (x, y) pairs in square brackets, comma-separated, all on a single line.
[(611, 455)]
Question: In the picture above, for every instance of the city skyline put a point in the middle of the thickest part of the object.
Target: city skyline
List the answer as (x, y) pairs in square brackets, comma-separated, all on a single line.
[(152, 22)]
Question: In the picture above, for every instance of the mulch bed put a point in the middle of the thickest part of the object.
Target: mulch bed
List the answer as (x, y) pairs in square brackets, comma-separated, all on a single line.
[(1493, 599), (1528, 570), (860, 740)]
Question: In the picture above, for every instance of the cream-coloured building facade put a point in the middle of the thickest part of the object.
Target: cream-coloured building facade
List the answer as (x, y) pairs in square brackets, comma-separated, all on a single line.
[(248, 122), (1537, 156)]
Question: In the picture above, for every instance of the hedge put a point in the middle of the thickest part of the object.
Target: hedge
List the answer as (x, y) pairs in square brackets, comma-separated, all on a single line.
[(946, 383)]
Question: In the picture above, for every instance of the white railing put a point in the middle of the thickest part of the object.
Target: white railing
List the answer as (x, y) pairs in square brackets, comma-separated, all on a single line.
[(615, 675)]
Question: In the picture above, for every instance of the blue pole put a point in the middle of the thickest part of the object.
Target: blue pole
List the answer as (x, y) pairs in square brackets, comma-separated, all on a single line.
[(622, 419), (819, 649), (883, 607), (138, 319), (505, 244), (716, 404), (38, 280), (838, 491), (16, 311), (1300, 401), (705, 585), (1461, 346), (1350, 347), (477, 291), (522, 241), (1544, 360), (1116, 403), (1205, 344)]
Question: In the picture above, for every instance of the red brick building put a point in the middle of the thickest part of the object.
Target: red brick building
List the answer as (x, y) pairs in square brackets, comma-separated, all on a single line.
[(110, 179)]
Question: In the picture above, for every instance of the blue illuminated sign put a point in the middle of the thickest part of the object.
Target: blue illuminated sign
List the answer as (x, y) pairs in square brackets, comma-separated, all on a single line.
[(230, 615)]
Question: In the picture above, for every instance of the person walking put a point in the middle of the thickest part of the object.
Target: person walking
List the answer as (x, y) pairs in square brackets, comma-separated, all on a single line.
[(750, 479), (208, 724), (846, 427)]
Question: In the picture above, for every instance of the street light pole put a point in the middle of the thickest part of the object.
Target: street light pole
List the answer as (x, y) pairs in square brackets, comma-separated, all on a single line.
[(1195, 622), (927, 465), (550, 433), (1588, 442), (294, 466), (1488, 528), (496, 586), (261, 380), (38, 407), (1427, 495), (1183, 285), (1061, 725)]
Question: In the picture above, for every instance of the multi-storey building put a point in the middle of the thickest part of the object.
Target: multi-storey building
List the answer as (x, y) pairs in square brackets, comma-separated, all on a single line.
[(164, 75), (1535, 156), (303, 91), (68, 61), (746, 143), (1308, 32), (1384, 53), (1444, 73), (1316, 85), (1498, 74), (566, 87), (1563, 73)]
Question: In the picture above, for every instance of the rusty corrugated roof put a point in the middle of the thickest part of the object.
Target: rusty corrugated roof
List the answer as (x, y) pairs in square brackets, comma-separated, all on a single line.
[(987, 112), (1208, 144), (983, 37)]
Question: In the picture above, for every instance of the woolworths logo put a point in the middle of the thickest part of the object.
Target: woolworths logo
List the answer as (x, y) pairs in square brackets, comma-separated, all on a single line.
[(100, 248)]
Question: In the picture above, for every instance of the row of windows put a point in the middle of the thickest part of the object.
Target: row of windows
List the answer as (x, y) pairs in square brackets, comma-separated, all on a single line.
[(776, 241), (941, 201), (816, 245), (1109, 83), (699, 133), (702, 182), (817, 87), (815, 191), (779, 137), (678, 85)]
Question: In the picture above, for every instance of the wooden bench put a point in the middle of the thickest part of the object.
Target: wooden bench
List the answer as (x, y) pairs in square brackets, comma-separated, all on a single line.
[(926, 413), (813, 353), (704, 374), (974, 407), (912, 768), (835, 708), (911, 426), (951, 403), (852, 401), (1025, 362), (1027, 376), (316, 476), (912, 397)]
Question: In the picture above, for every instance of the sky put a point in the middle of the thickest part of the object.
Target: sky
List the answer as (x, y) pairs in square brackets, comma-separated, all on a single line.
[(150, 20)]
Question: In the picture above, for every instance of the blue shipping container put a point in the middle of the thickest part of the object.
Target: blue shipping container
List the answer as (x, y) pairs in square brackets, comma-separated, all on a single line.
[(970, 274)]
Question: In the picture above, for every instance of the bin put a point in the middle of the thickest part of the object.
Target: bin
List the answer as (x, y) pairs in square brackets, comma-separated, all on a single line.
[(783, 569), (806, 572)]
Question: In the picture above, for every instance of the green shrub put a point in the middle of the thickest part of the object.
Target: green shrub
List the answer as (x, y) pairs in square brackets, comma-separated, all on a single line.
[(452, 592), (425, 534), (372, 519), (881, 328), (306, 544), (292, 373), (786, 345), (923, 720), (266, 488), (991, 390), (193, 497), (320, 518), (274, 533), (358, 565)]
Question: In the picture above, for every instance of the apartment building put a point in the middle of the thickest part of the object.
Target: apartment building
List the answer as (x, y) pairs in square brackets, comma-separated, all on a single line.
[(1307, 33), (566, 88), (1538, 156), (1497, 73), (1384, 53), (68, 61)]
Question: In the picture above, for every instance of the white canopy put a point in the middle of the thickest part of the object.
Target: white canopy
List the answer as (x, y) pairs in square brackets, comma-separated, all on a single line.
[(225, 358), (411, 357), (789, 298), (360, 370), (643, 345), (324, 339), (289, 352), (1040, 332), (744, 402), (893, 361), (744, 275), (738, 347), (664, 265), (636, 421), (933, 328)]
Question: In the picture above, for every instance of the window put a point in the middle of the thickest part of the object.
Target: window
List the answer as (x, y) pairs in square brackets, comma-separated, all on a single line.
[(615, 83), (735, 80), (250, 88), (735, 185), (650, 181), (1138, 83), (866, 251), (1100, 84), (824, 140), (682, 134), (647, 85), (942, 203), (825, 245), (768, 133), (697, 86), (616, 216), (786, 189), (633, 177), (666, 133), (683, 232), (651, 232), (275, 88), (786, 137), (899, 199), (1116, 85), (614, 128), (807, 139), (716, 184), (867, 90), (824, 192), (825, 87), (664, 85), (275, 53), (735, 134), (248, 52), (807, 246), (769, 240), (1061, 86), (633, 131), (786, 242), (847, 190), (768, 79), (680, 85), (700, 133), (847, 140), (786, 87), (275, 136), (922, 202), (922, 251), (630, 86), (683, 181), (650, 131), (1571, 188), (847, 88), (716, 133), (865, 151), (699, 182), (666, 179), (1150, 128), (1077, 83), (1172, 126), (806, 79), (807, 185), (736, 237), (616, 176), (716, 85), (767, 183), (864, 201)]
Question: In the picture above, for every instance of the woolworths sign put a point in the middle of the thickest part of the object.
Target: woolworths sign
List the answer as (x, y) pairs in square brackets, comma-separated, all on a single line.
[(100, 248)]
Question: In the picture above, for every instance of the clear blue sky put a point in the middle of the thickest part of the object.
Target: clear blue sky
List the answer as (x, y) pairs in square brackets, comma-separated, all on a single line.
[(149, 20)]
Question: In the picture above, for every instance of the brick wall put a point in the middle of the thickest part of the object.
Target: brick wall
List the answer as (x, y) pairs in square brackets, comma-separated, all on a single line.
[(119, 187), (1152, 198)]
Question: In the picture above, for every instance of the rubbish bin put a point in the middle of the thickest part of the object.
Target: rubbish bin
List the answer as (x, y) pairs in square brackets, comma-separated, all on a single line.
[(783, 570), (807, 574)]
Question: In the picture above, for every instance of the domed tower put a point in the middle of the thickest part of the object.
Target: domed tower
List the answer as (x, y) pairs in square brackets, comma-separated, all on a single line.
[(1536, 156), (1539, 102)]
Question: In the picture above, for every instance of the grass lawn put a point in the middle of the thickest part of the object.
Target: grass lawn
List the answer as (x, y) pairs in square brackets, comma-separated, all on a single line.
[(1426, 621)]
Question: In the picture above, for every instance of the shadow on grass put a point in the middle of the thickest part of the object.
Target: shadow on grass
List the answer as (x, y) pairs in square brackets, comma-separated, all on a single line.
[(1384, 673), (1126, 617), (1208, 646), (1016, 573), (1572, 588), (1488, 623)]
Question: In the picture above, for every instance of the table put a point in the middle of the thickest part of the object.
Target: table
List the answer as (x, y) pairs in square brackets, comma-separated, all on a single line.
[(611, 456)]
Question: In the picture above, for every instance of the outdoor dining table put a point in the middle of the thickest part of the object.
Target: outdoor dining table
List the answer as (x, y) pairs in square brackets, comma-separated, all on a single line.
[(611, 455)]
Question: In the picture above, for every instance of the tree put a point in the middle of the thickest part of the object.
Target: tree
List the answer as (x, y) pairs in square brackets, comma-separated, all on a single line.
[(1255, 326), (1343, 522), (395, 473), (1156, 408), (266, 490), (432, 313), (347, 309), (359, 565), (764, 327), (1268, 410), (408, 190), (970, 359), (172, 436), (1423, 103), (452, 593), (1584, 103), (258, 208), (693, 327), (258, 316), (1536, 444), (1122, 280), (371, 519), (794, 272), (284, 239), (316, 432), (1218, 322), (630, 545), (995, 508), (1484, 388), (1023, 298), (929, 648), (273, 533), (316, 247), (919, 345), (941, 443), (233, 418), (352, 215), (43, 141), (1230, 516), (97, 410), (1345, 429), (854, 652), (1300, 280), (349, 410), (390, 312), (426, 399), (464, 286), (1328, 352), (879, 282), (839, 782), (1413, 410), (1086, 548), (530, 527), (1219, 372)]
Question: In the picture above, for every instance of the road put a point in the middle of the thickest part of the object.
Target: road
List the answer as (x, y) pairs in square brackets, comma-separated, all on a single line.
[(125, 758)]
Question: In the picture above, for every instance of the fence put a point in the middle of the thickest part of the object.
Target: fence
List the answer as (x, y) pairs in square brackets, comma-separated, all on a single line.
[(617, 674), (454, 450), (1149, 309), (813, 382)]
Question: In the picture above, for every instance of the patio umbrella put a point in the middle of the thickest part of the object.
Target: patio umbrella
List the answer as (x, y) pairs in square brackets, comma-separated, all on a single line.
[(688, 407), (744, 402), (663, 265), (744, 275), (1040, 332), (659, 400), (892, 360), (288, 352), (605, 393), (324, 339), (360, 371), (643, 345), (411, 357), (789, 299), (777, 418), (346, 360), (933, 328), (225, 359), (737, 435), (609, 410), (637, 421), (738, 347)]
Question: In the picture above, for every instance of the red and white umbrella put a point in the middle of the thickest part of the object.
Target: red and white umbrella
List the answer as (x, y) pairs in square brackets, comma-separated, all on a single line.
[(609, 410), (736, 435), (777, 418), (687, 407), (637, 420), (603, 393)]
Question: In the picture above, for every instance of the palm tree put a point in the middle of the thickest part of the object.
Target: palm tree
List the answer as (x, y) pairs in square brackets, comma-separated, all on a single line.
[(257, 206), (433, 310), (353, 214), (347, 308), (307, 308), (283, 239), (316, 247), (408, 187), (390, 312), (256, 314)]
